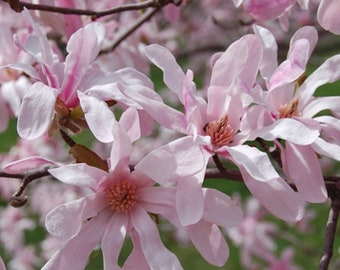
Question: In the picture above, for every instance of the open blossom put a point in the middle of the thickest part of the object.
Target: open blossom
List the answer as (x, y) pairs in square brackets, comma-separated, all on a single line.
[(62, 95), (290, 97), (215, 125), (127, 203)]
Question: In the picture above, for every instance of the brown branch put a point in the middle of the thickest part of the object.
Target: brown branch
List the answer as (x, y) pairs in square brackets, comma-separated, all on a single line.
[(330, 230), (142, 19), (18, 199), (18, 6)]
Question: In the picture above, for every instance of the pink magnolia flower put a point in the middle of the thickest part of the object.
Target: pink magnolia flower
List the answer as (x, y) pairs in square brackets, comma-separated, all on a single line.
[(288, 98), (119, 205), (74, 93), (214, 124)]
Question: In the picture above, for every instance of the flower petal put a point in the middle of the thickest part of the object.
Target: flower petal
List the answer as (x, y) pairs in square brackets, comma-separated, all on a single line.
[(23, 165), (303, 167), (157, 256), (113, 239), (327, 149), (37, 110), (209, 241), (173, 74), (189, 199), (74, 254), (95, 111), (220, 209), (130, 122), (328, 15), (81, 175), (288, 129), (66, 220), (277, 196)]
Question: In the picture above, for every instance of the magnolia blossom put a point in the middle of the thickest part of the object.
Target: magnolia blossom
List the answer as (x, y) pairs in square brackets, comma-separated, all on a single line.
[(125, 202), (215, 125), (290, 97)]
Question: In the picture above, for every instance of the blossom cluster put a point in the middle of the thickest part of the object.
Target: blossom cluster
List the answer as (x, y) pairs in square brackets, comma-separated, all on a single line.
[(62, 75)]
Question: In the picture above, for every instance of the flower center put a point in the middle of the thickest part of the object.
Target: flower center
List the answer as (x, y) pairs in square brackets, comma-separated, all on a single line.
[(220, 132), (290, 109), (121, 196)]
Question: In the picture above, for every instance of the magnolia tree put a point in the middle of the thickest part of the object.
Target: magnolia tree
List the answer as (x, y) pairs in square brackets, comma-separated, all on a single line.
[(126, 112)]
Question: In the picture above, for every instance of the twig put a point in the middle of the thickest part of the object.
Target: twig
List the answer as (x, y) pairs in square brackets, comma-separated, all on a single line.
[(142, 19), (18, 6), (330, 230)]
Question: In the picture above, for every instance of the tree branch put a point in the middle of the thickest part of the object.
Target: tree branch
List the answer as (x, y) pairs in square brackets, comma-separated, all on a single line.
[(330, 230), (18, 6)]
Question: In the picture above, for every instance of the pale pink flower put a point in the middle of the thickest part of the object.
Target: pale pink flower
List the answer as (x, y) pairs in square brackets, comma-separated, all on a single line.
[(119, 206), (290, 98), (283, 263), (214, 124), (24, 258)]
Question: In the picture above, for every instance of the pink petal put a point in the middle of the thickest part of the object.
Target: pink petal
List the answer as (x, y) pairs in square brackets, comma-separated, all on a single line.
[(113, 239), (328, 72), (162, 113), (277, 196), (130, 122), (303, 167), (37, 110), (26, 164), (269, 61), (121, 147), (220, 209), (291, 69), (74, 254), (256, 163), (210, 242), (288, 129), (308, 33), (136, 259), (189, 199), (83, 47), (80, 174), (4, 112), (151, 243), (95, 111), (66, 220), (159, 165), (327, 149), (328, 15), (321, 103), (2, 264), (173, 74)]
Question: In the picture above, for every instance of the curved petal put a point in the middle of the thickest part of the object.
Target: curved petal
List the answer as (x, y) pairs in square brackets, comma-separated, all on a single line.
[(74, 254), (288, 129), (37, 110), (23, 165), (209, 241), (80, 174), (157, 109), (83, 47), (321, 103), (66, 220), (327, 149), (136, 259), (328, 15), (328, 72), (98, 116), (113, 239), (173, 74), (303, 167), (269, 61), (189, 199), (277, 196), (130, 122), (151, 243), (220, 209), (256, 163)]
